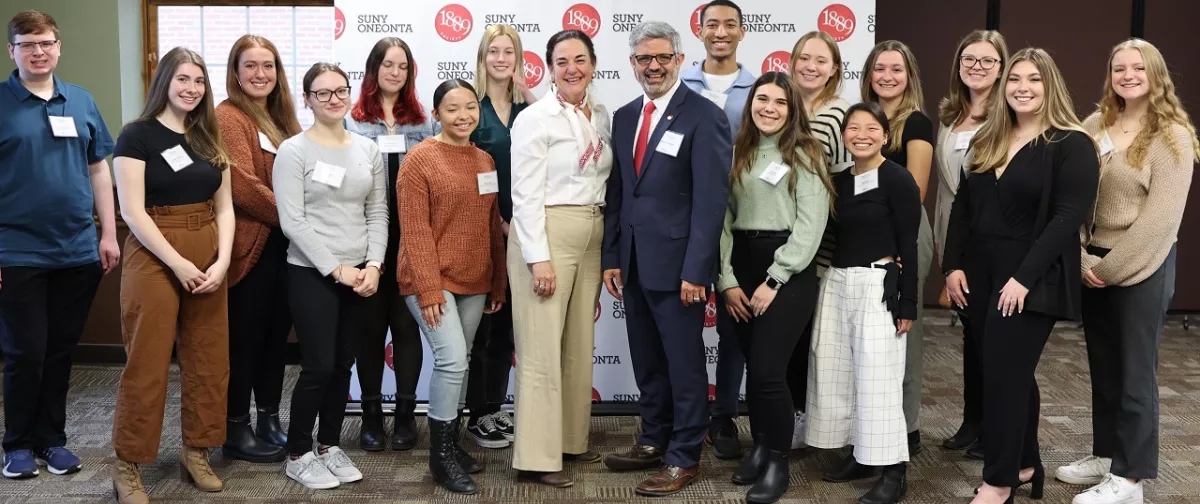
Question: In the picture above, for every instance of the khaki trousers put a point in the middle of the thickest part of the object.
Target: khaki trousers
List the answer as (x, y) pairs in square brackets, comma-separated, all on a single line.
[(554, 339), (155, 312)]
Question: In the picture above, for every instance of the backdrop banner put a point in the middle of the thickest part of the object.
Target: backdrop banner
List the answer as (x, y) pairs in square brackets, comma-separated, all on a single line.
[(445, 41)]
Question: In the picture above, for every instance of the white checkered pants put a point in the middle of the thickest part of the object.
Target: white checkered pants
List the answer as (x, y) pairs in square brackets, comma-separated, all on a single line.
[(856, 370)]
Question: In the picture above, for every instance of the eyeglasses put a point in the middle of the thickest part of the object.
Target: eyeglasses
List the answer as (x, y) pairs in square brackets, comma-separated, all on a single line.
[(984, 63), (324, 95), (46, 45), (663, 59)]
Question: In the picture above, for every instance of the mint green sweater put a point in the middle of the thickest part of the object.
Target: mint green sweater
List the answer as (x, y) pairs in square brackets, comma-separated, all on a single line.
[(755, 204)]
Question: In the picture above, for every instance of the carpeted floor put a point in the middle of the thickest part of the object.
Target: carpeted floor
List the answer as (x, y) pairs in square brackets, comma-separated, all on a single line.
[(935, 475)]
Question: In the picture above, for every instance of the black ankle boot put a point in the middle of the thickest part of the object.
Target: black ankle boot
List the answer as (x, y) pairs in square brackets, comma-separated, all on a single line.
[(443, 460), (370, 435), (967, 433), (848, 470), (774, 480), (404, 427), (268, 427), (890, 488), (752, 466), (465, 459), (242, 444)]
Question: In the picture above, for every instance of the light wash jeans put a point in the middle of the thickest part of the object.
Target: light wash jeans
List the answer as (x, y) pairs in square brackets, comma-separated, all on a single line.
[(451, 347)]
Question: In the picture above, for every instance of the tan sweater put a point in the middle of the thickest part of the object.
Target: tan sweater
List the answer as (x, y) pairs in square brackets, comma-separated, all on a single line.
[(1137, 211), (450, 235)]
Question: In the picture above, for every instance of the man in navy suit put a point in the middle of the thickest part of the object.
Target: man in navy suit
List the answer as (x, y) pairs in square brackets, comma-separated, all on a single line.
[(664, 210)]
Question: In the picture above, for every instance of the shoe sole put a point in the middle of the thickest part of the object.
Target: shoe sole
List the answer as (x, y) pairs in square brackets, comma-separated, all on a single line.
[(649, 493), (372, 448), (348, 479), (488, 443), (1071, 480), (20, 476), (55, 470), (510, 437), (314, 486)]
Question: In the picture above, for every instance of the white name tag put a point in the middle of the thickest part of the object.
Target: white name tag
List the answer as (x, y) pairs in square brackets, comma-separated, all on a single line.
[(1106, 144), (963, 140), (866, 182), (718, 98), (177, 158), (328, 174), (63, 127), (669, 143), (489, 183), (265, 143), (392, 143), (774, 173)]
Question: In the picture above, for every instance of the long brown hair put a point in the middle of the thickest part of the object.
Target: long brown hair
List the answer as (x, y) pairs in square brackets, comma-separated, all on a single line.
[(1164, 110), (793, 138), (912, 98), (833, 86), (200, 126), (278, 121), (957, 104)]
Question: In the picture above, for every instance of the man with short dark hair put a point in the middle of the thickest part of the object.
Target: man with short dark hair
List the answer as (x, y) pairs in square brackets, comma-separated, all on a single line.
[(53, 146)]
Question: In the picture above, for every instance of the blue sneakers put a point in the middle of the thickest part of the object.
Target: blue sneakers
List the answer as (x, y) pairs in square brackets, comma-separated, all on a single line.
[(59, 460), (19, 464)]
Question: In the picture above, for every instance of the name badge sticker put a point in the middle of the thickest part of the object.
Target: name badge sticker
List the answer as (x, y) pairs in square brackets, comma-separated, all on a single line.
[(669, 143), (329, 174), (1106, 144), (389, 144), (265, 143), (962, 141), (774, 173), (177, 158), (63, 127), (489, 183), (866, 182)]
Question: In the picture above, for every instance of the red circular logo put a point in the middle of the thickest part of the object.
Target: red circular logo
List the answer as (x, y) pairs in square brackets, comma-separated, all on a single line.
[(597, 317), (695, 22), (710, 311), (582, 17), (595, 395), (778, 61), (535, 69), (837, 20), (712, 392), (387, 356), (339, 23), (453, 23)]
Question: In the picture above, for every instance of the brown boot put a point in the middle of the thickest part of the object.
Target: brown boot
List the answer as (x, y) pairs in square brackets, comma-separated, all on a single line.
[(668, 480), (127, 483), (194, 469)]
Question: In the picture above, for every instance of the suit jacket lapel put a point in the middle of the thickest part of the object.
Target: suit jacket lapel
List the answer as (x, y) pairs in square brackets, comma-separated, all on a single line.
[(623, 144), (664, 123)]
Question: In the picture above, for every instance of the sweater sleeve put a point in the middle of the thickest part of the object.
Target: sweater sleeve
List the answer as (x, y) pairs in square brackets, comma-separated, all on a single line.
[(958, 231), (418, 246), (377, 206), (827, 127), (904, 202), (251, 194), (1145, 245), (808, 227), (725, 278), (288, 181)]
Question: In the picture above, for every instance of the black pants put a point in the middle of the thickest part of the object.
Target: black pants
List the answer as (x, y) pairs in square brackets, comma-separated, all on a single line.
[(259, 322), (1123, 327), (491, 362), (386, 310), (972, 372), (42, 314), (1011, 348), (797, 373), (767, 340), (329, 318)]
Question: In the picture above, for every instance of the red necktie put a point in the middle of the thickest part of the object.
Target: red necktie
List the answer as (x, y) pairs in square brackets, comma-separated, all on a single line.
[(639, 149)]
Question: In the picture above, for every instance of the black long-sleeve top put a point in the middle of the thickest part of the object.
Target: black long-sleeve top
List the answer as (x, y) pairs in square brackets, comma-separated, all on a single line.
[(1007, 207), (878, 223)]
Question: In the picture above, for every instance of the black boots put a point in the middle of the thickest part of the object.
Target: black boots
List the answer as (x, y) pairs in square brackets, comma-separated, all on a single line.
[(967, 433), (443, 458), (723, 435), (752, 466), (773, 482), (465, 459), (370, 435), (242, 444), (268, 427), (848, 470), (914, 443), (890, 488), (404, 427)]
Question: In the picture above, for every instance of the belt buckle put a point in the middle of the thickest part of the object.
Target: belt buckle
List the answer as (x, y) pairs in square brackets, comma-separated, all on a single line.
[(193, 222)]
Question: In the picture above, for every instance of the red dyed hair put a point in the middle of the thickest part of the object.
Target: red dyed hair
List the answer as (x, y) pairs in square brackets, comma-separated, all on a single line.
[(408, 109)]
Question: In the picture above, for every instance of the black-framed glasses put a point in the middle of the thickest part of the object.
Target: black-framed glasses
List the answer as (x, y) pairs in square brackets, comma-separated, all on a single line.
[(324, 95), (46, 45), (984, 63), (663, 59)]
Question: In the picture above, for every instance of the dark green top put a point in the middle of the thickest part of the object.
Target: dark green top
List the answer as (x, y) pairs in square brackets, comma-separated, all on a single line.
[(493, 136)]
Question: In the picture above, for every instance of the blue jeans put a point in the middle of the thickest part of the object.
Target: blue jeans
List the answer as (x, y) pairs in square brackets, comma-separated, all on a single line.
[(451, 346)]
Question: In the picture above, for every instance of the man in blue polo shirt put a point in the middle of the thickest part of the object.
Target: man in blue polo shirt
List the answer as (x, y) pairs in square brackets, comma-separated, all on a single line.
[(722, 79), (53, 145)]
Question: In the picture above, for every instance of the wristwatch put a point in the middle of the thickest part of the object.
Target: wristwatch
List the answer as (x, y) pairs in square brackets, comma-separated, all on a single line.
[(772, 283)]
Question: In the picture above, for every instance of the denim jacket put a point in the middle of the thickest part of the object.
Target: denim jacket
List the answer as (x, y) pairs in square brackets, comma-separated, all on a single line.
[(413, 133)]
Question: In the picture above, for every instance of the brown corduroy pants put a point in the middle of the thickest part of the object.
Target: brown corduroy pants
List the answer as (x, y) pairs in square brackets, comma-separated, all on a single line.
[(156, 312)]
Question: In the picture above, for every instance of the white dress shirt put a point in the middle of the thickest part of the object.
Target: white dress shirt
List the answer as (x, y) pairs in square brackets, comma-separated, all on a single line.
[(660, 107), (546, 169)]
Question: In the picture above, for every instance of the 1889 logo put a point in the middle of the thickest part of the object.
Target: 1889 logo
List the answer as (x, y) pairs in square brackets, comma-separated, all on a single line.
[(535, 71), (582, 17), (695, 21), (778, 61), (453, 23), (339, 23), (837, 20), (710, 311)]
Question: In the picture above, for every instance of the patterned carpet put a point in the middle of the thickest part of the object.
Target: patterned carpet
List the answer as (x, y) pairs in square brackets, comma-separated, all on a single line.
[(936, 475)]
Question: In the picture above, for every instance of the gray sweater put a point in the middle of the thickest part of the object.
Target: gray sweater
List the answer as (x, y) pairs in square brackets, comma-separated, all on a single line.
[(330, 226)]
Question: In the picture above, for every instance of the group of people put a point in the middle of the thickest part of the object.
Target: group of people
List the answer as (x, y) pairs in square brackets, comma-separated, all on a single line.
[(489, 223)]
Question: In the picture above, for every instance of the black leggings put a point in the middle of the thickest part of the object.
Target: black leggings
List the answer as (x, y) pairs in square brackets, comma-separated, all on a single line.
[(767, 341), (259, 323), (386, 310), (491, 362), (797, 373)]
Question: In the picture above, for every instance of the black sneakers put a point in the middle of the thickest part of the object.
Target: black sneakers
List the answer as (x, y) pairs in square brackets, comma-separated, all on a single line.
[(486, 433)]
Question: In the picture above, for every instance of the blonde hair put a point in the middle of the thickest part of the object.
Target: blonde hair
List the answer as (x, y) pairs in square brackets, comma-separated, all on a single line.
[(912, 98), (833, 86), (991, 144), (957, 104), (481, 76), (1164, 107)]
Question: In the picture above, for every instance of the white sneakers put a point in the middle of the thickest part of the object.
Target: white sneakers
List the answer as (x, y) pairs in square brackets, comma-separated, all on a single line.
[(1088, 471), (320, 472), (1111, 490), (798, 431)]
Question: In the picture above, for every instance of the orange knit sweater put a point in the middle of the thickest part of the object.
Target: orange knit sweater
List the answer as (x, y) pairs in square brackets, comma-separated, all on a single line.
[(450, 235), (250, 181)]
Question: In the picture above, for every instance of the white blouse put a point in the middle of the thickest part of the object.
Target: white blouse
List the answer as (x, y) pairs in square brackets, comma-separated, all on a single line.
[(549, 169)]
